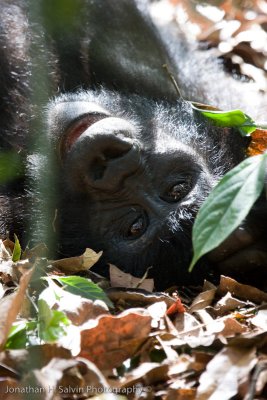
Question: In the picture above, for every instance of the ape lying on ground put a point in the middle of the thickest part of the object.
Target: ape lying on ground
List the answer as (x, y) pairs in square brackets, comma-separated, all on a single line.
[(128, 163)]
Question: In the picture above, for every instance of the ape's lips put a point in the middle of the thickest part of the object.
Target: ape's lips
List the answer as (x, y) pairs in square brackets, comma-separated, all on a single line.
[(75, 130)]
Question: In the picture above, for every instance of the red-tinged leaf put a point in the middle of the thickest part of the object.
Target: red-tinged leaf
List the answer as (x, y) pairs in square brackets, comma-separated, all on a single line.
[(258, 144), (177, 307)]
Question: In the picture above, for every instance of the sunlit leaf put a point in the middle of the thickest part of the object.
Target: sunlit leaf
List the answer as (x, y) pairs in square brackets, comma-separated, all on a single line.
[(18, 335), (228, 119), (52, 323), (258, 142), (84, 288), (227, 205), (17, 250)]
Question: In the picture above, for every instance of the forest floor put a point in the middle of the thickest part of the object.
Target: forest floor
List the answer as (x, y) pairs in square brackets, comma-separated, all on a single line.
[(66, 337)]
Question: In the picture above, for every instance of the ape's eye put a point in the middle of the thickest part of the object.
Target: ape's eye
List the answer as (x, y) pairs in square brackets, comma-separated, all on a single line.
[(136, 229), (178, 191)]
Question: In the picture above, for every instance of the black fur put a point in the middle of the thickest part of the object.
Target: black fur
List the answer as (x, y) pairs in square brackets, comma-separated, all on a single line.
[(101, 60)]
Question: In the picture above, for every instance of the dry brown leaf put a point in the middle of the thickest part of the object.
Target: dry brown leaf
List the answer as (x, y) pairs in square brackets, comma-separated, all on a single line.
[(137, 297), (2, 291), (77, 308), (187, 325), (201, 359), (181, 394), (211, 325), (260, 320), (255, 338), (10, 389), (66, 378), (81, 310), (203, 300), (10, 306), (191, 332), (258, 142), (225, 373), (147, 373), (157, 312), (119, 278), (7, 247), (7, 272), (232, 327), (228, 303), (111, 340), (245, 292), (35, 357), (79, 263), (40, 250), (261, 380)]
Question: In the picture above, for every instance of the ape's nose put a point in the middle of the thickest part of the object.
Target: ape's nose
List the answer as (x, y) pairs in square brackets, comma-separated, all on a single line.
[(105, 154)]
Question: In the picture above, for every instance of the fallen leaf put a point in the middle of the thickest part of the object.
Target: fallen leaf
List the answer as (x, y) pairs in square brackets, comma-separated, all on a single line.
[(6, 249), (225, 373), (203, 300), (138, 297), (10, 306), (66, 378), (157, 312), (149, 373), (228, 303), (177, 307), (258, 142), (40, 250), (181, 394), (35, 357), (232, 327), (10, 389), (111, 340), (119, 278), (78, 309), (237, 289), (260, 320), (77, 264)]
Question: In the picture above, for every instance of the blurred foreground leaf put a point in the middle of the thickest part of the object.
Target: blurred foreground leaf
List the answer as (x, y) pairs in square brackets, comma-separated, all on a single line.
[(227, 205), (11, 166)]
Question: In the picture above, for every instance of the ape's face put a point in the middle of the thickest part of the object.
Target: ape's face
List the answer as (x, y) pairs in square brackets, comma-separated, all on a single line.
[(131, 186)]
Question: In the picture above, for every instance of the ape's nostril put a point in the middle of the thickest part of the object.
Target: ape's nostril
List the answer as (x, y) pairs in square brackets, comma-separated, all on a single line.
[(100, 163)]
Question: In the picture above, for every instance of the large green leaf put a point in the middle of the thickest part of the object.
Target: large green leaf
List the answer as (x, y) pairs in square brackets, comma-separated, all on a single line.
[(227, 205), (83, 287)]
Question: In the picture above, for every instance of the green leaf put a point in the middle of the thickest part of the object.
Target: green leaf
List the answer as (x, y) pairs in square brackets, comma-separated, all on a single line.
[(228, 119), (227, 205), (18, 337), (17, 250), (51, 323), (84, 287), (11, 166)]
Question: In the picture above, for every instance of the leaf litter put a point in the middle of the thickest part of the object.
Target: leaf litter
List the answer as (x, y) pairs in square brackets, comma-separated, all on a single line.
[(208, 343), (124, 342)]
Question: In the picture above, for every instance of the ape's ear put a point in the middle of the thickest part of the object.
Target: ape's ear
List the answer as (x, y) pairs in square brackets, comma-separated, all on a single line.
[(67, 119), (76, 129)]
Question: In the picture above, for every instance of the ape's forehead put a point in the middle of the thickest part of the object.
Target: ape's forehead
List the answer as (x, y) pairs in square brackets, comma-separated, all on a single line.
[(61, 112), (166, 144)]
